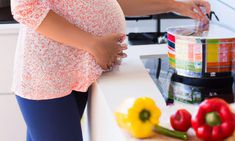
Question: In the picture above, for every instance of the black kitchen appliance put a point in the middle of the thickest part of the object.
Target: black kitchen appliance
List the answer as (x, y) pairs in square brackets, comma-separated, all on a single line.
[(175, 88), (200, 63)]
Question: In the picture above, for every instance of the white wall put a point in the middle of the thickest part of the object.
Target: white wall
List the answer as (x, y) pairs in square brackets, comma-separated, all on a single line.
[(225, 14)]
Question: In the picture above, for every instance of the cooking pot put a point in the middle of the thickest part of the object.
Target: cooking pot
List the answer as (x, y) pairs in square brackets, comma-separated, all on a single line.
[(202, 52)]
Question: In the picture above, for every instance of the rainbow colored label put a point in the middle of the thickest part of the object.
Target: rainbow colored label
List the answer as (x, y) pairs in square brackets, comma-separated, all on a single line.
[(201, 57), (218, 56)]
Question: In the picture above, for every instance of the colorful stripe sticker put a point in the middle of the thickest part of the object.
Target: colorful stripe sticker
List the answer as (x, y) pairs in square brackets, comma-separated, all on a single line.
[(188, 59), (171, 37), (219, 56)]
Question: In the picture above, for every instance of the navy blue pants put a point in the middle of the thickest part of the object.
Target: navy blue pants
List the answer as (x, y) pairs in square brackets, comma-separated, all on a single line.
[(55, 119)]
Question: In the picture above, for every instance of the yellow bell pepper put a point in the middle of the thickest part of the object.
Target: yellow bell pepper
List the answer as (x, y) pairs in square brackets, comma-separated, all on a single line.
[(138, 116)]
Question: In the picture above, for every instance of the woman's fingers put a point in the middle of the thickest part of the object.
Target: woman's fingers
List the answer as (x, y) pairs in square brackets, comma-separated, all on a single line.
[(122, 47), (195, 9), (203, 7), (198, 11), (205, 4), (117, 51), (122, 55), (121, 37), (202, 14), (192, 14), (116, 60), (104, 66)]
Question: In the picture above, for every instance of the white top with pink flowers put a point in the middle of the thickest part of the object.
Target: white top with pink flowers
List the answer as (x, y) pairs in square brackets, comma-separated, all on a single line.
[(47, 69)]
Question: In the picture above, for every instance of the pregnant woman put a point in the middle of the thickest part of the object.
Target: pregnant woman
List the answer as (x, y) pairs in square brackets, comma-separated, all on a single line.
[(63, 47)]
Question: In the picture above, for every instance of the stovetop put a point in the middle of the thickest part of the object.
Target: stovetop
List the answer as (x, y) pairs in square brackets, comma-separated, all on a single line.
[(172, 91)]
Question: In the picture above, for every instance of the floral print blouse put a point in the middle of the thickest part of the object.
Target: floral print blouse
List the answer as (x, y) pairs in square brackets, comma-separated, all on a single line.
[(47, 69)]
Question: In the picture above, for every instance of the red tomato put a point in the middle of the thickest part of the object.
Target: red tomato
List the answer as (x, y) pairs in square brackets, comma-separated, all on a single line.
[(181, 120)]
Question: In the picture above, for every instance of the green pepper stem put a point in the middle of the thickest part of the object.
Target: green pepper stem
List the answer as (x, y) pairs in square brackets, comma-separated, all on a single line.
[(213, 118), (171, 133), (144, 115)]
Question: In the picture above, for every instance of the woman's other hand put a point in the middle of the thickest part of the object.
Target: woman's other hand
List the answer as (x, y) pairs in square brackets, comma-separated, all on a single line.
[(192, 8), (107, 49)]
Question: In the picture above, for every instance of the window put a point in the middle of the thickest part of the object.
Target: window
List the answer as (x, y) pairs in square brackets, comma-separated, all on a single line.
[(5, 12)]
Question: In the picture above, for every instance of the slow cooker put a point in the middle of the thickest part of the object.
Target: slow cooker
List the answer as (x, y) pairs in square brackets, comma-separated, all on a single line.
[(202, 56)]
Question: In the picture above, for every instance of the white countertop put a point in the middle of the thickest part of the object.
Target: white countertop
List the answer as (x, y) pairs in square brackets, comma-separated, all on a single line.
[(130, 79)]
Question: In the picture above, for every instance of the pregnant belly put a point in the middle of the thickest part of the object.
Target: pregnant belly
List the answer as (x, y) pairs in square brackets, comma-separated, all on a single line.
[(98, 17)]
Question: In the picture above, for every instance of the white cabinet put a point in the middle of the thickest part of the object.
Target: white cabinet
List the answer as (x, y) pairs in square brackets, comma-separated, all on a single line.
[(12, 127), (8, 39)]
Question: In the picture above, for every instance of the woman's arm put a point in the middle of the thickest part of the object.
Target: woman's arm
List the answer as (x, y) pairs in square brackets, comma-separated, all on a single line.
[(148, 7), (145, 7), (105, 49), (59, 29), (36, 14)]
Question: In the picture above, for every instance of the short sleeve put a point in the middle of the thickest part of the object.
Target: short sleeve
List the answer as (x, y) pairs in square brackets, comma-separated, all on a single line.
[(30, 12)]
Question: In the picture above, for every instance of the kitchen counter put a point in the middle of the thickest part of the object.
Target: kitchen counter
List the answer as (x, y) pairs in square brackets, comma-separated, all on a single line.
[(130, 79)]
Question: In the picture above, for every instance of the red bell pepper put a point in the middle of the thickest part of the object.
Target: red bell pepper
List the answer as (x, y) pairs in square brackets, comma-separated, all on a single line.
[(234, 120), (213, 120), (181, 120)]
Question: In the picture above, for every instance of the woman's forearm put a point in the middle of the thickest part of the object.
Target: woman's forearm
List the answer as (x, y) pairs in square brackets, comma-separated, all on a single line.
[(145, 7), (57, 28)]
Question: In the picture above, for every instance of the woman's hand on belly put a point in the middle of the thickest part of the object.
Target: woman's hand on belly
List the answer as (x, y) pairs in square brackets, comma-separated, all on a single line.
[(107, 49)]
